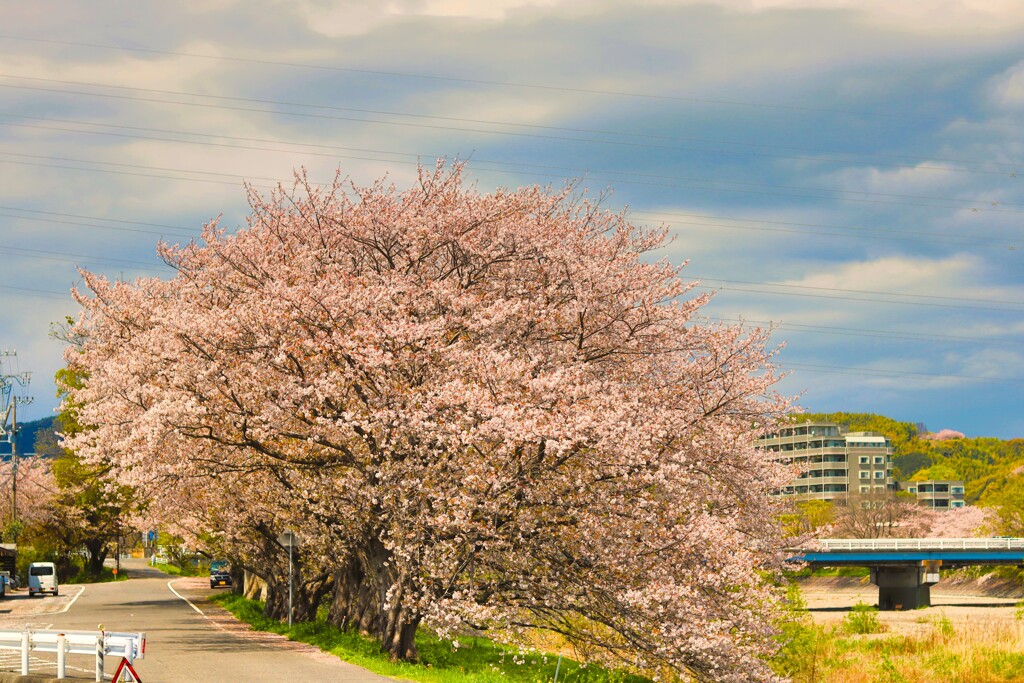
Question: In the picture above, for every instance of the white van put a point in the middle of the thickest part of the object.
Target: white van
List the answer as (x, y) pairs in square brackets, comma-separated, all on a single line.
[(42, 578)]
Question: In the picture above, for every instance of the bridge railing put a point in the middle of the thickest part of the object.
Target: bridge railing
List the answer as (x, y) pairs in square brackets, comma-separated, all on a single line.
[(840, 544)]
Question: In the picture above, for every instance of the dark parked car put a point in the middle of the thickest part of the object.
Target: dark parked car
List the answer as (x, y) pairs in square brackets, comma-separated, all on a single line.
[(219, 576)]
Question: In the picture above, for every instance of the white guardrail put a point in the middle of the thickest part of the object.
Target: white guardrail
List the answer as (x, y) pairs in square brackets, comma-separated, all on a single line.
[(98, 644), (834, 544)]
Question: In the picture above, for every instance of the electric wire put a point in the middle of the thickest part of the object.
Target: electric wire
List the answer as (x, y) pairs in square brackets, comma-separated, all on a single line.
[(454, 79), (812, 367), (1009, 169), (841, 195), (482, 169), (728, 283)]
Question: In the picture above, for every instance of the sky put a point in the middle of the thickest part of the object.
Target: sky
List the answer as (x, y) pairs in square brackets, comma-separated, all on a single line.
[(848, 171)]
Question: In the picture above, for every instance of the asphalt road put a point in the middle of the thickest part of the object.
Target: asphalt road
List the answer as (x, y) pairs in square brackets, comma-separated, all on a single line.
[(188, 639)]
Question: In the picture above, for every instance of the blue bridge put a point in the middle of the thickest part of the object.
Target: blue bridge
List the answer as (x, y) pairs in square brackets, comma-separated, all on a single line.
[(905, 569)]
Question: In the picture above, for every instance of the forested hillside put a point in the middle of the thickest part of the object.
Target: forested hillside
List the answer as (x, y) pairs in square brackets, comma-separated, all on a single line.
[(27, 432), (985, 464)]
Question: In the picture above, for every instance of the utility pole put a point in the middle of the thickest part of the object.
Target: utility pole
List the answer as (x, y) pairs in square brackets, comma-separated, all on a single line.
[(9, 408)]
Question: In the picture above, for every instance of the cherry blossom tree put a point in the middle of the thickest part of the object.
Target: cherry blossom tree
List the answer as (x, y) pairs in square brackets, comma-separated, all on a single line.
[(944, 435), (965, 522), (481, 411), (36, 489), (881, 515)]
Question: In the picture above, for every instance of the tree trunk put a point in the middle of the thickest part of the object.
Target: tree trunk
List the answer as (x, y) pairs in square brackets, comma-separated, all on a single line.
[(306, 593), (368, 596), (97, 550)]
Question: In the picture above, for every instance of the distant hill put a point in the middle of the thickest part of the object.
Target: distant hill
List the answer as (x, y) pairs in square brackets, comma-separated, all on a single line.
[(983, 463), (27, 432)]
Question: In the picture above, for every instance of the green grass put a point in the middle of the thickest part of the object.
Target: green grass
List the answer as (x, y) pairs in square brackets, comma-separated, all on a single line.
[(106, 576), (175, 570), (476, 660)]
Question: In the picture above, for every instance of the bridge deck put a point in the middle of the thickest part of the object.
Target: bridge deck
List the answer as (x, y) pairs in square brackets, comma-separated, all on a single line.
[(952, 552), (949, 558)]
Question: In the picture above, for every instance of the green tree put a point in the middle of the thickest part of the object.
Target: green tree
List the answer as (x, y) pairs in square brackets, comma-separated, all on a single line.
[(908, 464), (89, 509), (807, 517), (1007, 506), (939, 472)]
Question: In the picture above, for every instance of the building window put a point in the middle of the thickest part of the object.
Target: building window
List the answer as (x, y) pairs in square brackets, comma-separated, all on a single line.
[(911, 489), (864, 460), (864, 474), (957, 489), (957, 503), (879, 459), (879, 489), (879, 474), (865, 489)]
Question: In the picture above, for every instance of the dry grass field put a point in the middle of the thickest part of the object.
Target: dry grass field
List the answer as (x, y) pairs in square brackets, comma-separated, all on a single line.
[(971, 634)]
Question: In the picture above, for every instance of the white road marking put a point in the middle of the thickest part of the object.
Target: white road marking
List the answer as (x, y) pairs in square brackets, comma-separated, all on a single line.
[(81, 589), (187, 601)]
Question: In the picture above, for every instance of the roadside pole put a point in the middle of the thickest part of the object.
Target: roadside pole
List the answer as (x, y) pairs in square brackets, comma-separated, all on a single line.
[(289, 539)]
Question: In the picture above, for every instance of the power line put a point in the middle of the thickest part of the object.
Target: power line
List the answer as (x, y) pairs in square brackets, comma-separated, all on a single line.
[(895, 373), (840, 195), (453, 79), (63, 256), (851, 332), (46, 294), (853, 231), (478, 168), (44, 217), (37, 253), (1010, 168), (861, 291), (861, 299), (863, 332)]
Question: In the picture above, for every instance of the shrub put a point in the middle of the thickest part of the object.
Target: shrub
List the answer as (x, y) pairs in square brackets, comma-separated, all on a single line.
[(862, 619)]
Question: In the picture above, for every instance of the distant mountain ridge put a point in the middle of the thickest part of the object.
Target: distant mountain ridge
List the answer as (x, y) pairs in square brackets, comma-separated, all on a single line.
[(27, 432)]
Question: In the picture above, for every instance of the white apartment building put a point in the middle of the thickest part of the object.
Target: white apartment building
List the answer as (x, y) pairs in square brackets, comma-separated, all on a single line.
[(830, 463)]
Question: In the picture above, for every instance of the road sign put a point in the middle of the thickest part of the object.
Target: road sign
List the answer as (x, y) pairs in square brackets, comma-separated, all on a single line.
[(125, 668), (288, 539)]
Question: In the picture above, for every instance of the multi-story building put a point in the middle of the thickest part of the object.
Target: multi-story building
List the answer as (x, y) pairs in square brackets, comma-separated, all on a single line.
[(831, 463), (939, 494)]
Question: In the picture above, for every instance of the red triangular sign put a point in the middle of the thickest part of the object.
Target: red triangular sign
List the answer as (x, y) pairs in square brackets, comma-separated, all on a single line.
[(126, 668)]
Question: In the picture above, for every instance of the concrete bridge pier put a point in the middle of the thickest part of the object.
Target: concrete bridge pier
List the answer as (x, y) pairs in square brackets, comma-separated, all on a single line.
[(905, 586)]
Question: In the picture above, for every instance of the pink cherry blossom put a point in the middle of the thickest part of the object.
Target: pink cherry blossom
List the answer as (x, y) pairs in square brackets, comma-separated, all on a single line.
[(481, 412)]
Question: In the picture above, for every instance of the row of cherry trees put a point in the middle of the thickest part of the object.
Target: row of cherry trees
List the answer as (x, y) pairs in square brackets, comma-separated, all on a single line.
[(480, 412)]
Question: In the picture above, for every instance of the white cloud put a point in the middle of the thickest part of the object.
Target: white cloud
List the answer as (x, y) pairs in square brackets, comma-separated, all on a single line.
[(1006, 90), (998, 364)]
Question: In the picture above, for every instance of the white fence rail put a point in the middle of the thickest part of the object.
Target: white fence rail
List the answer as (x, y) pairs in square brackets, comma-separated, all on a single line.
[(834, 544), (98, 644)]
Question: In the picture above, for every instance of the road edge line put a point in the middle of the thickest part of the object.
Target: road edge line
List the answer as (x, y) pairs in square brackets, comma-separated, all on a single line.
[(81, 589), (182, 597)]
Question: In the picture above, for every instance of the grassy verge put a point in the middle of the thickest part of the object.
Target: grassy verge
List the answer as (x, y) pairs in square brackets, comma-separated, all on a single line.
[(175, 570), (475, 660), (105, 576)]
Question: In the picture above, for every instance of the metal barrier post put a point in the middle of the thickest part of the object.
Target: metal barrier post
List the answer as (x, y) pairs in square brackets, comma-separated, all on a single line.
[(24, 652), (61, 652), (100, 650)]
